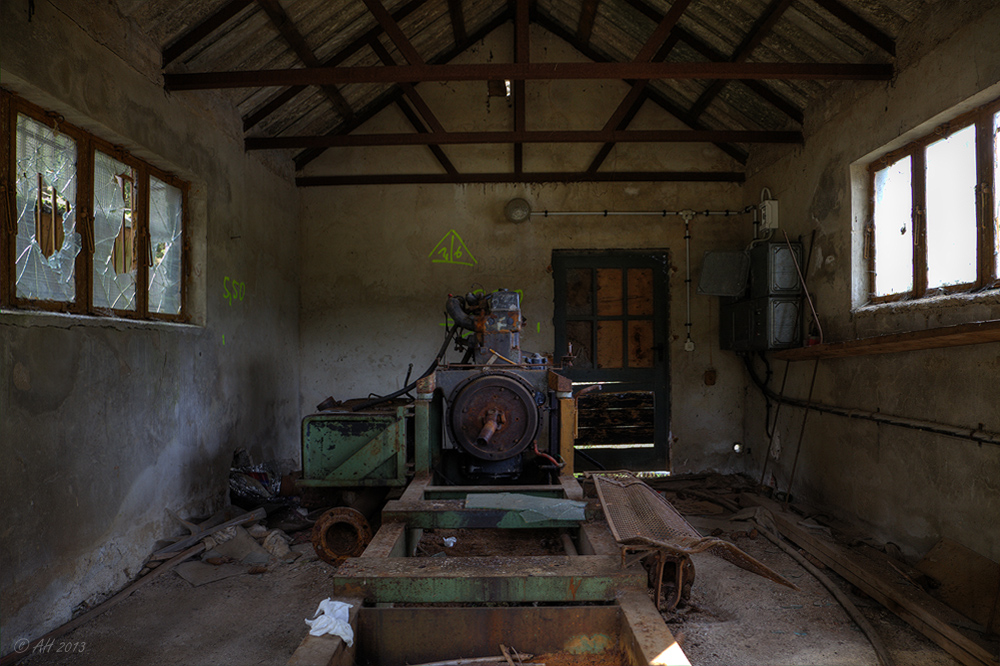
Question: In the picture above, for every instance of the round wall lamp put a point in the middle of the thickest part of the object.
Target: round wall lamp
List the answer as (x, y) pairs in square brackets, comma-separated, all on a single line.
[(517, 210)]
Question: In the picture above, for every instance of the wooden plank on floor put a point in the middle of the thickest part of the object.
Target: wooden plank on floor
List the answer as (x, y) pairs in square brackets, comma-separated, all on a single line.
[(328, 650), (970, 583), (886, 585), (486, 579), (647, 639)]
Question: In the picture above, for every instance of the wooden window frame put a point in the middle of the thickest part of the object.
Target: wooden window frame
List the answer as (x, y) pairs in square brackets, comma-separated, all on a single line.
[(986, 224), (11, 106)]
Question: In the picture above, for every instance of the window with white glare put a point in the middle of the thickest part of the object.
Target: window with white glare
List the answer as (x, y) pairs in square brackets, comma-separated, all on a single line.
[(951, 210), (893, 208), (934, 210), (94, 229)]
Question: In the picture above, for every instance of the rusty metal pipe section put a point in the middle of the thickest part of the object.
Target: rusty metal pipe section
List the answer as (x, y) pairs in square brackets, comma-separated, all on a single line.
[(345, 531), (493, 420)]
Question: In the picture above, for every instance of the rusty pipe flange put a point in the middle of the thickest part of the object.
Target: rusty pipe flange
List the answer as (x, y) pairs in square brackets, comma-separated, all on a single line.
[(340, 533)]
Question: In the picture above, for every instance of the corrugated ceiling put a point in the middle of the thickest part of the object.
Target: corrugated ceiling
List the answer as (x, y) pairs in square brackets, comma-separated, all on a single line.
[(806, 31)]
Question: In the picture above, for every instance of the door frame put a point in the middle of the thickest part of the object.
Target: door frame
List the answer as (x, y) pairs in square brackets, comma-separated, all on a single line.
[(657, 457)]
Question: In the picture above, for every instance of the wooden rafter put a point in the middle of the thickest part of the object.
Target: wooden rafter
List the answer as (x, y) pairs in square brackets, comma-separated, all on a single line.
[(653, 94), (283, 23), (189, 39), (535, 136), (395, 93), (395, 34), (523, 178), (761, 29), (457, 20), (848, 16), (696, 43), (532, 71), (411, 93), (343, 54), (588, 14), (522, 54), (656, 49)]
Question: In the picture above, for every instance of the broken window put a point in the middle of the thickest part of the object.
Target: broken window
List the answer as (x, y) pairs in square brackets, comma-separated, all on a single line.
[(114, 233), (47, 243), (165, 246), (934, 211), (124, 255)]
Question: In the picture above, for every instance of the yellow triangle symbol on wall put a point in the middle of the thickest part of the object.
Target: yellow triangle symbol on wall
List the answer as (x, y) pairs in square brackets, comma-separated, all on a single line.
[(452, 250)]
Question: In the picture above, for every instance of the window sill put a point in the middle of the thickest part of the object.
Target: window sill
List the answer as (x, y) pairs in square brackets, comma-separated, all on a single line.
[(30, 318)]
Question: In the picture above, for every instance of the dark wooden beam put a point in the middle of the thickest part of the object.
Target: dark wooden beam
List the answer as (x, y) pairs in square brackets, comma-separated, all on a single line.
[(297, 42), (202, 30), (848, 16), (656, 49), (524, 178), (389, 97), (532, 71), (343, 54), (411, 92), (762, 89), (522, 54), (588, 14), (414, 120), (392, 29), (701, 47), (760, 30), (536, 136), (457, 20), (653, 94)]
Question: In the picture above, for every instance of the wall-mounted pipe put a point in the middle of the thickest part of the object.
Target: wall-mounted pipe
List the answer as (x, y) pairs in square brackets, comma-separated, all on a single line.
[(977, 435)]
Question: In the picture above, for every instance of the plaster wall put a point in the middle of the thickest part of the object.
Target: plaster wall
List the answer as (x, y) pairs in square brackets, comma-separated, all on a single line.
[(373, 299), (105, 425), (911, 487)]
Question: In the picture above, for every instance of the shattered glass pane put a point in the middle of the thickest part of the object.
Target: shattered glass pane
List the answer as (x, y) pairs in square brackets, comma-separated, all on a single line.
[(166, 245), (114, 237), (47, 241)]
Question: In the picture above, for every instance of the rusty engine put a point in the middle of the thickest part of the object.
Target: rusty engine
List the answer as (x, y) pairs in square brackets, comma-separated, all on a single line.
[(500, 411)]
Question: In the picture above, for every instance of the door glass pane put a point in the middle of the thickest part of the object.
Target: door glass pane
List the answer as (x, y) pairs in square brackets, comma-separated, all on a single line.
[(996, 196), (165, 247), (579, 337), (47, 243), (640, 291), (579, 292), (640, 343), (609, 292), (951, 210), (609, 343), (114, 233), (893, 229)]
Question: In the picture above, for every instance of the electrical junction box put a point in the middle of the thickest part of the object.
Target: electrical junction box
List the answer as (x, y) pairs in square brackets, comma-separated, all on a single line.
[(767, 314), (772, 269), (769, 214)]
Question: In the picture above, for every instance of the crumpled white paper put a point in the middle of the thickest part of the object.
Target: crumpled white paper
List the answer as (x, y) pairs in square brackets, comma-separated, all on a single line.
[(332, 618), (449, 541)]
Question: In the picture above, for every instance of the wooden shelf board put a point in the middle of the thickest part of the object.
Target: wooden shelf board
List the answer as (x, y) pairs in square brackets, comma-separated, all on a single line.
[(933, 338)]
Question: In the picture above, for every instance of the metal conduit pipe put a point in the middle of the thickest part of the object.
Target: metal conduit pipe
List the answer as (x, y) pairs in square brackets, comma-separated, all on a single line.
[(974, 434)]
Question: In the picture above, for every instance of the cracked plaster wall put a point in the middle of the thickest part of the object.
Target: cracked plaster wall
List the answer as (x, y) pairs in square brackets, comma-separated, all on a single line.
[(373, 300), (105, 425), (910, 487)]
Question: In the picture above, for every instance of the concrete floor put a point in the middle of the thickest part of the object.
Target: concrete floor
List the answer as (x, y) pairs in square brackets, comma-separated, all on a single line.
[(734, 618)]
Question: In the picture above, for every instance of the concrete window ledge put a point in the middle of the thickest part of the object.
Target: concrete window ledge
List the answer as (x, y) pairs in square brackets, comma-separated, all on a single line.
[(31, 318)]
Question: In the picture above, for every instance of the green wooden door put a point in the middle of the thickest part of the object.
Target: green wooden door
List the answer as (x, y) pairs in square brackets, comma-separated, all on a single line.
[(611, 314)]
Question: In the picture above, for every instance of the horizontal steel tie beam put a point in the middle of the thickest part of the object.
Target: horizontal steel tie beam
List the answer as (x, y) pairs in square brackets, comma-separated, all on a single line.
[(526, 71), (554, 136)]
